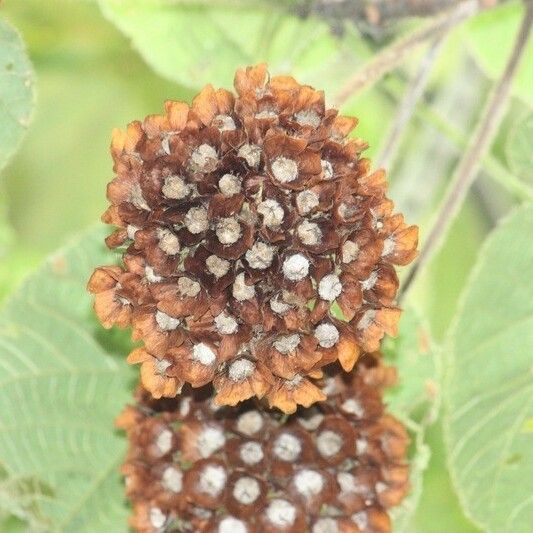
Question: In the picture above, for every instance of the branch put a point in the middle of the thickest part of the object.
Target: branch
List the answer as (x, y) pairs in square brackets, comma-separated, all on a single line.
[(377, 13), (382, 11), (393, 55), (492, 167), (407, 107), (494, 170), (482, 138)]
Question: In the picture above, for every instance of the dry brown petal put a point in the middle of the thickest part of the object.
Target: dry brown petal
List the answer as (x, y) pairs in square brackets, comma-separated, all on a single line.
[(154, 374), (126, 141), (158, 330), (195, 363), (242, 379), (210, 103), (289, 354), (373, 324), (286, 395), (400, 246), (110, 307), (348, 352), (251, 80)]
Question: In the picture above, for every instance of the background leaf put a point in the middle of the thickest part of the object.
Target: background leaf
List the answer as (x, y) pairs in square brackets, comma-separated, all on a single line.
[(89, 81), (16, 105), (195, 44), (489, 385), (414, 400), (16, 91), (20, 502), (436, 297), (60, 392), (489, 36), (413, 352), (518, 148)]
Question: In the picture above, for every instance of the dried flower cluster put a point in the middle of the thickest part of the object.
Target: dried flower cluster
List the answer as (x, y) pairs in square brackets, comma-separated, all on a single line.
[(258, 261), (258, 247), (332, 468)]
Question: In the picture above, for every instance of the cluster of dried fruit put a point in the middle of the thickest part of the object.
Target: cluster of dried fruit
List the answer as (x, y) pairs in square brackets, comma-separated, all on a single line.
[(258, 246), (258, 265), (332, 468)]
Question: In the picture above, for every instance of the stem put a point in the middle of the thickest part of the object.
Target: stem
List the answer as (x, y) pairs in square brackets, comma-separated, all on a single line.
[(493, 168), (407, 107), (393, 55), (482, 138)]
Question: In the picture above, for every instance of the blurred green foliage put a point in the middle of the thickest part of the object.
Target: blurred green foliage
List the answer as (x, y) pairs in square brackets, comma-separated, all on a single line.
[(60, 395), (518, 148), (213, 49), (488, 404), (91, 79), (488, 38), (16, 91)]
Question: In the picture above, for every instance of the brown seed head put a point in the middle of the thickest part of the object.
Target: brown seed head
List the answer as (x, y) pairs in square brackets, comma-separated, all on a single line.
[(257, 245), (338, 466)]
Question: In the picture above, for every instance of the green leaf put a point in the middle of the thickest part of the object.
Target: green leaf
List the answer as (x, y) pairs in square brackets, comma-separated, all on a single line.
[(488, 389), (6, 232), (198, 43), (414, 354), (519, 148), (491, 35), (60, 392), (16, 91), (439, 498), (414, 400), (403, 515), (19, 498)]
